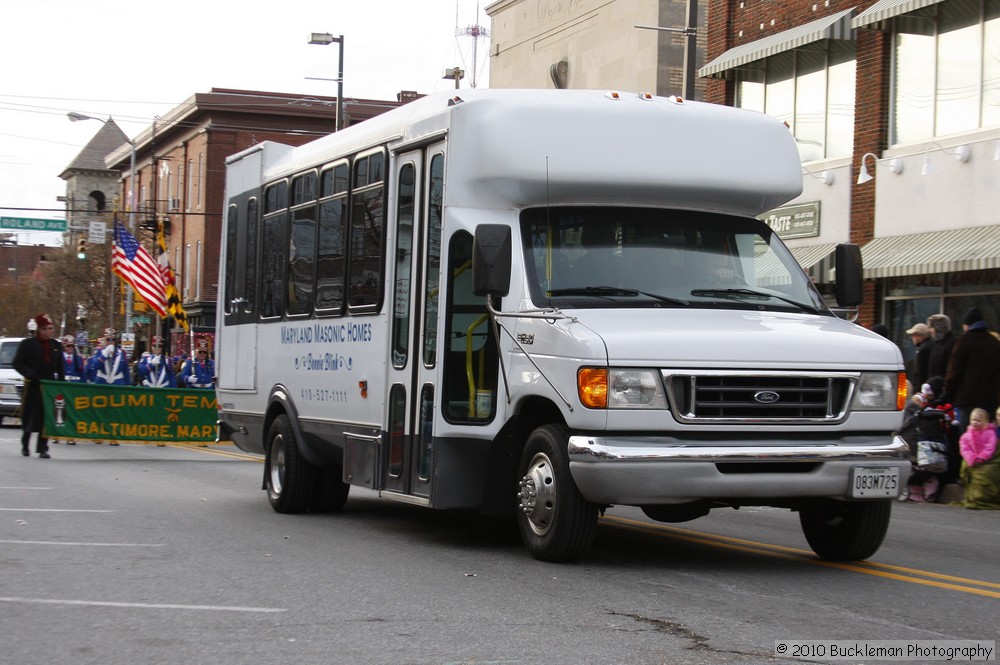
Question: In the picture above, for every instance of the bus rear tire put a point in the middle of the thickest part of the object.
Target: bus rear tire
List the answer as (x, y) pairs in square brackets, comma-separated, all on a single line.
[(557, 524), (842, 531), (290, 479), (329, 491)]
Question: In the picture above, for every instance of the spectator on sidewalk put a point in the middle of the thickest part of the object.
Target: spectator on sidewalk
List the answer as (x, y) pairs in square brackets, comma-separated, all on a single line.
[(980, 463), (973, 378), (919, 368), (943, 339)]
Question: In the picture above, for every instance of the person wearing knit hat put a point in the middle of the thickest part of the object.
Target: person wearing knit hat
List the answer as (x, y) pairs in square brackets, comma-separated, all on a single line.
[(973, 378), (38, 358), (972, 316)]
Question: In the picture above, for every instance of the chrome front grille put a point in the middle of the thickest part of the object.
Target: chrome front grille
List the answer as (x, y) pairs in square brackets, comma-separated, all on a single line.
[(753, 397)]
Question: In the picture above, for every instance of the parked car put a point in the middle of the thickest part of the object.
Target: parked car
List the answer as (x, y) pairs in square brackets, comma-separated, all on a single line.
[(11, 383)]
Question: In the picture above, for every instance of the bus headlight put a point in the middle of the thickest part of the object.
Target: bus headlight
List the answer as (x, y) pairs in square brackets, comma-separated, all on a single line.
[(600, 388), (880, 391)]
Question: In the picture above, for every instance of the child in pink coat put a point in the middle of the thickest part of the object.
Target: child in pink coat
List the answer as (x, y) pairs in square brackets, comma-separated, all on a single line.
[(981, 466), (979, 442)]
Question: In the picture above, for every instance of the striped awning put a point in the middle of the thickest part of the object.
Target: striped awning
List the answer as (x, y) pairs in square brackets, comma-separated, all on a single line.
[(817, 260), (885, 9), (834, 26), (939, 251)]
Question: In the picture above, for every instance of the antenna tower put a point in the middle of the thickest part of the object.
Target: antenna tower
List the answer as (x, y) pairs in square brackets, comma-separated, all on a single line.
[(476, 32)]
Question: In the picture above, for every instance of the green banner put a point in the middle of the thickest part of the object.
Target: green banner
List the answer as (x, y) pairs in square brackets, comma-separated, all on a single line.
[(125, 413)]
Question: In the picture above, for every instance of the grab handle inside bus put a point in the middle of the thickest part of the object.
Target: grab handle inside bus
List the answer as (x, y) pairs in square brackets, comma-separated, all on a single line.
[(491, 257)]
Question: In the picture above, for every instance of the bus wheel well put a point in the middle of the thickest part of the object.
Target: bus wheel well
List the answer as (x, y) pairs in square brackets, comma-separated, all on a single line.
[(505, 453)]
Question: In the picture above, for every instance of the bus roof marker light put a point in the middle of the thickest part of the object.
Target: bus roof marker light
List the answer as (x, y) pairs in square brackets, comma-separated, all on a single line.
[(675, 99), (646, 96), (454, 101), (613, 95)]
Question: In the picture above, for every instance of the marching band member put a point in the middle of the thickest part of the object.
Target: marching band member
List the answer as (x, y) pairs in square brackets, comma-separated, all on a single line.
[(155, 369), (199, 372), (74, 367), (108, 365)]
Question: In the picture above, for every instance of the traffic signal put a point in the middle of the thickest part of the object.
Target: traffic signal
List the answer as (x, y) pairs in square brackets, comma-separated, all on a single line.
[(81, 248)]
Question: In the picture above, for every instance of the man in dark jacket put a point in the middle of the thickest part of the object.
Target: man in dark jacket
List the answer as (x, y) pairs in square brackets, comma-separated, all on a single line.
[(38, 358), (973, 378), (944, 340)]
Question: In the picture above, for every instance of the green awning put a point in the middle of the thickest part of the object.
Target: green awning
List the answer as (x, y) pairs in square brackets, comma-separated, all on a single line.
[(834, 26)]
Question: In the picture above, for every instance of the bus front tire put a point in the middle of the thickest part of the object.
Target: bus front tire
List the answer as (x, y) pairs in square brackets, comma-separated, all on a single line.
[(842, 531), (556, 523), (290, 479)]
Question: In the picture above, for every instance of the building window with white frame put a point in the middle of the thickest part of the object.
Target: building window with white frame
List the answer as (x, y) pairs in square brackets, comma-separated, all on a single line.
[(809, 89), (946, 77)]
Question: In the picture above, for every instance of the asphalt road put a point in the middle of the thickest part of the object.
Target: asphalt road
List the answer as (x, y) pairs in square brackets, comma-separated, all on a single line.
[(143, 554)]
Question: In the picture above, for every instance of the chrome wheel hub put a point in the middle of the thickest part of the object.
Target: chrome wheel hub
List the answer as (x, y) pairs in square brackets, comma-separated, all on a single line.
[(277, 464), (537, 494)]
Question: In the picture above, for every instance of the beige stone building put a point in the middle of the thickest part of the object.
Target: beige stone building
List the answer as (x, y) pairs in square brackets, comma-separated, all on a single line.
[(592, 44)]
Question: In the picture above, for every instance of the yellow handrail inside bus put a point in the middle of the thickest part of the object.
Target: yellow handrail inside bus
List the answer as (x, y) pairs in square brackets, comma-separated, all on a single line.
[(468, 362)]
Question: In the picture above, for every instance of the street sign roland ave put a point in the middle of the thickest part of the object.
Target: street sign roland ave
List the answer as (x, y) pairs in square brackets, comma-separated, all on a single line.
[(32, 224)]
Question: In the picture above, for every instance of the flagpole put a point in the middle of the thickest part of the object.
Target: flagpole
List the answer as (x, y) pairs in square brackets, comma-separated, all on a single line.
[(131, 229), (112, 280)]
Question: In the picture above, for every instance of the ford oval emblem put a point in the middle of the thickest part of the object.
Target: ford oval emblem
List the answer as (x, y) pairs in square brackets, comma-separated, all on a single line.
[(767, 397)]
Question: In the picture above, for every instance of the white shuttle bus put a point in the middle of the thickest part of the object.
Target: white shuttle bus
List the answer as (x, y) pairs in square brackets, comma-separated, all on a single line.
[(547, 303)]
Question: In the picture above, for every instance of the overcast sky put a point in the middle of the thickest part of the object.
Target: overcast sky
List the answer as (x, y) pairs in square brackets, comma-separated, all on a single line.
[(135, 60)]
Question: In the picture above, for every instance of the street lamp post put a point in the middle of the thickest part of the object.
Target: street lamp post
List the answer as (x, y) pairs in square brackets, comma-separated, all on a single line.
[(690, 31), (456, 73), (77, 117), (325, 39)]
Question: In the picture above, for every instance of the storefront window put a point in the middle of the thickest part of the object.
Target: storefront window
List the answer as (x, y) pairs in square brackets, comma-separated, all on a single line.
[(913, 285)]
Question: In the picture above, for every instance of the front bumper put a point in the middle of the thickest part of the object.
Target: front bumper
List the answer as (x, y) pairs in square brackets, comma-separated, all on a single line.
[(655, 470), (9, 405)]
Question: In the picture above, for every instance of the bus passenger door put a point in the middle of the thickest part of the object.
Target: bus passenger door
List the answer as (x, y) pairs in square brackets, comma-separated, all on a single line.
[(406, 464), (239, 309)]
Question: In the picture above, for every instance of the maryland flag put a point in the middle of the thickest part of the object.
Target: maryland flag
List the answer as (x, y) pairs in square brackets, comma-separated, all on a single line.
[(173, 296)]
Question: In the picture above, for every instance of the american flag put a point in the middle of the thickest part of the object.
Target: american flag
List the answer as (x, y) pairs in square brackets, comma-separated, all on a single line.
[(134, 265)]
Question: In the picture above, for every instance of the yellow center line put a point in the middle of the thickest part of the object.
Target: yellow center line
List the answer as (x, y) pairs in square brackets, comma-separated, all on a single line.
[(913, 575), (248, 457)]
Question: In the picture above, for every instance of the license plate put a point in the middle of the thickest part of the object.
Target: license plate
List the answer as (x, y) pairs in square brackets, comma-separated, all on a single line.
[(874, 482)]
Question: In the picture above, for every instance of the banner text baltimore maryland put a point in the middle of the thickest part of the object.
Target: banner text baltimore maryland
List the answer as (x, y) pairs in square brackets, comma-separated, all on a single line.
[(125, 413)]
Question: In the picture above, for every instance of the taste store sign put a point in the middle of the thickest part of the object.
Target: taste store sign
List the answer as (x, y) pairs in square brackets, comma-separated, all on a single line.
[(794, 221)]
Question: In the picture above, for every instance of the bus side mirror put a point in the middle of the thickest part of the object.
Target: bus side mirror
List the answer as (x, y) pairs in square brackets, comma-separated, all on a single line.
[(491, 257), (850, 281)]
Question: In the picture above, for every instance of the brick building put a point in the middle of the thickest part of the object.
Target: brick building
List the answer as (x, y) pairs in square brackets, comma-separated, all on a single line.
[(180, 173), (895, 106), (896, 110)]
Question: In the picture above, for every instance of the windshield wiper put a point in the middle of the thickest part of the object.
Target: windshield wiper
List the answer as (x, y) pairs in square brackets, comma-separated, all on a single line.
[(608, 291), (735, 293)]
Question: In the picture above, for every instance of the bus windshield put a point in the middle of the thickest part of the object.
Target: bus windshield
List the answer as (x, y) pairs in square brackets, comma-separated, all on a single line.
[(593, 257)]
